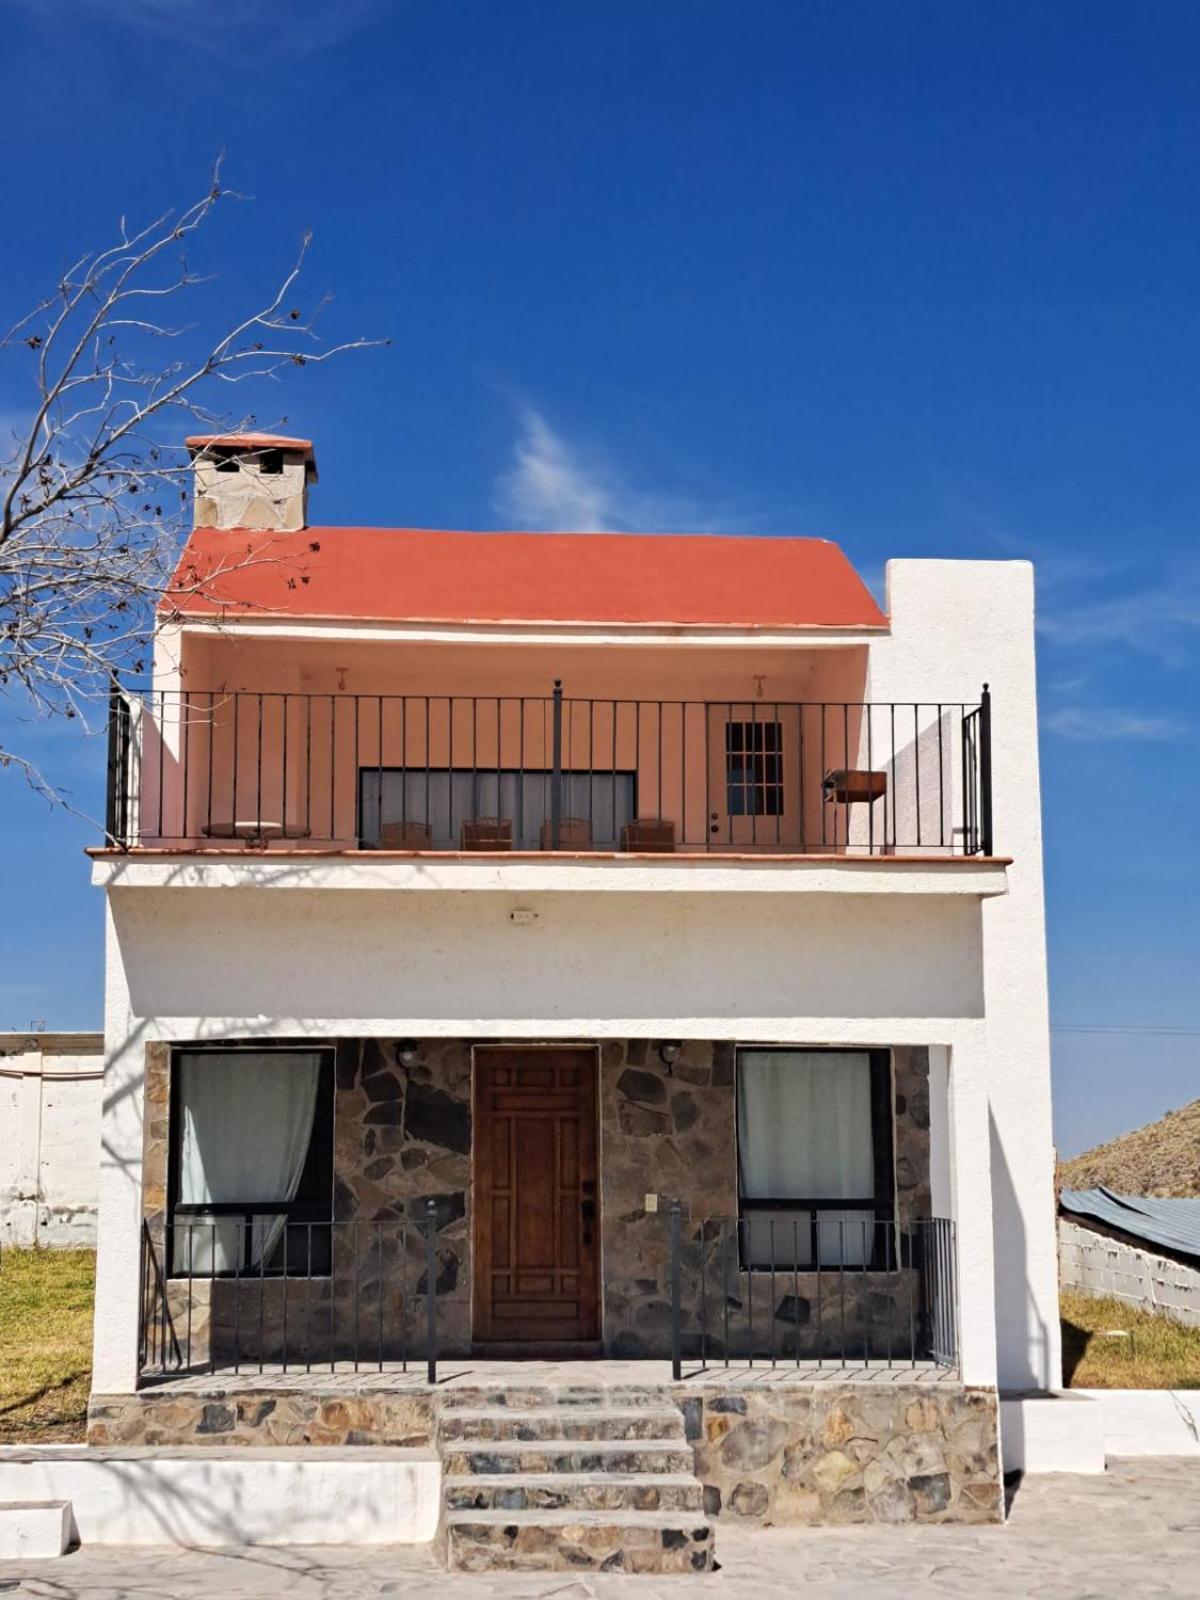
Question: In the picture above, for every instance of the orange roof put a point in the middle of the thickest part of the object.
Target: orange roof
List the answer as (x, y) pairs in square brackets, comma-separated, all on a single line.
[(427, 575)]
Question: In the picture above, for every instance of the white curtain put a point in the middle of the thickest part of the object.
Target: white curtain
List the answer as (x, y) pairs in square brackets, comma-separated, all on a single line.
[(247, 1120), (804, 1131)]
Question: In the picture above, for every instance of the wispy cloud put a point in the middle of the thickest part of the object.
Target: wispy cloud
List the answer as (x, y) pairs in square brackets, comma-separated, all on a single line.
[(552, 484), (276, 27), (1160, 620), (1107, 723)]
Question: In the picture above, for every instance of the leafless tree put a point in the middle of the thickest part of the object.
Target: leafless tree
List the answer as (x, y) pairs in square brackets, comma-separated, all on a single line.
[(93, 488)]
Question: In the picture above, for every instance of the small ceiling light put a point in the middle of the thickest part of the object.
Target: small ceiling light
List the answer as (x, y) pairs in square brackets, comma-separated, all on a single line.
[(406, 1052), (668, 1053)]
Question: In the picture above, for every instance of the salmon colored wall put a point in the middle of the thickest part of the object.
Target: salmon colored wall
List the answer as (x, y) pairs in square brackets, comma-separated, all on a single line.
[(673, 740)]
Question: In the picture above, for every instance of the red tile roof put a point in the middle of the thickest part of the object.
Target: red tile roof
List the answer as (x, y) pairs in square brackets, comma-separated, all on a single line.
[(428, 575)]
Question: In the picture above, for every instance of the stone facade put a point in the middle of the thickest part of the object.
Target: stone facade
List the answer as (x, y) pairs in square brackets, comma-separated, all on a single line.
[(772, 1453), (224, 1417), (672, 1131), (402, 1136), (846, 1454)]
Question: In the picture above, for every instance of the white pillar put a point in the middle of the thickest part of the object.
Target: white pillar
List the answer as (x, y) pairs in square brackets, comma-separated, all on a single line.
[(969, 1164), (119, 1220)]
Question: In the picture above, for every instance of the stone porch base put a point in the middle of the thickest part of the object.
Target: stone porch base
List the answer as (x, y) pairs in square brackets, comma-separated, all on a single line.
[(771, 1447)]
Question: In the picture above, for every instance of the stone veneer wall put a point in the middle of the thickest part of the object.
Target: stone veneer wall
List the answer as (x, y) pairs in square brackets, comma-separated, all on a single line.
[(403, 1134), (848, 1453), (673, 1133), (776, 1455)]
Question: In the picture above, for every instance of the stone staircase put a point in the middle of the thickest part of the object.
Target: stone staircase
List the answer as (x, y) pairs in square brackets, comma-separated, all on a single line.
[(569, 1479)]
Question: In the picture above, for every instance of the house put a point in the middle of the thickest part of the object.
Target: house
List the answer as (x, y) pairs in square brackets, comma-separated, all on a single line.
[(593, 971)]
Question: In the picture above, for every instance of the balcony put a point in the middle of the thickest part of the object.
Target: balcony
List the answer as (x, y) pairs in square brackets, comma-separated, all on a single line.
[(536, 774)]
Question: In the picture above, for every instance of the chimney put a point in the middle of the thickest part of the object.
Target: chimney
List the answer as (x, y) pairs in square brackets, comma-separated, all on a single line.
[(251, 480)]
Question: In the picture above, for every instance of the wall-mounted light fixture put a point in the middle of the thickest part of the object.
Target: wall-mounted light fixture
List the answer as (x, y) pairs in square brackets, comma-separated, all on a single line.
[(668, 1054), (406, 1052)]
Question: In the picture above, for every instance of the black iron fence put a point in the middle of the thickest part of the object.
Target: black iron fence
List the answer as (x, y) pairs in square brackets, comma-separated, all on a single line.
[(549, 772), (817, 1290), (250, 1293)]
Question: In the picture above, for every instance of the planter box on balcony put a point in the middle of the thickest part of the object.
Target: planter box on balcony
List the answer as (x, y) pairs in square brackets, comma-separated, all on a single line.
[(405, 836), (849, 784), (649, 836), (574, 833), (487, 833)]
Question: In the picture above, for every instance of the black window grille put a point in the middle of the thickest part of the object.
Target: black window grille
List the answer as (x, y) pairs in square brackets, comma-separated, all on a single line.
[(754, 769)]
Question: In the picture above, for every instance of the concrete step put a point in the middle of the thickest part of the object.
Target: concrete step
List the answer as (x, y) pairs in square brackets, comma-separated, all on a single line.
[(553, 1397), (34, 1529), (598, 1541), (555, 1422), (574, 1491), (494, 1456)]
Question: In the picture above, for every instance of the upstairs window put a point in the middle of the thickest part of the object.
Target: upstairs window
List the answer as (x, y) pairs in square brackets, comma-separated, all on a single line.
[(754, 769)]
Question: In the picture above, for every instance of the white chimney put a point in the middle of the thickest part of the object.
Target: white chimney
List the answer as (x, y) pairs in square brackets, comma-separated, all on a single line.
[(251, 480)]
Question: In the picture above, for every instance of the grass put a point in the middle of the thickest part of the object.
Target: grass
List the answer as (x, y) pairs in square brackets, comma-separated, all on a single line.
[(1159, 1354), (45, 1344)]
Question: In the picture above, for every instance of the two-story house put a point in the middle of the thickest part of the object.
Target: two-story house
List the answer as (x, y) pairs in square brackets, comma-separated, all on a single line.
[(587, 970)]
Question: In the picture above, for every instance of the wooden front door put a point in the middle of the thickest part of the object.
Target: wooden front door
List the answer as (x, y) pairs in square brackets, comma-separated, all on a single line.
[(537, 1225)]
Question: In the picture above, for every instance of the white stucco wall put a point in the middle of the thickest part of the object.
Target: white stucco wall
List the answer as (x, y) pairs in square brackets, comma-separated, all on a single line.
[(50, 1093), (955, 625)]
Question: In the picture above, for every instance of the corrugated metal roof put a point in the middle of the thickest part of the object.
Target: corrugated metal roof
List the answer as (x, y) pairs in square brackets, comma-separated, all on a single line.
[(1173, 1224)]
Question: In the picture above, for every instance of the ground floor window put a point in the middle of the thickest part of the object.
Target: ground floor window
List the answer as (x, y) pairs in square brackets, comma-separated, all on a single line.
[(815, 1170), (250, 1180)]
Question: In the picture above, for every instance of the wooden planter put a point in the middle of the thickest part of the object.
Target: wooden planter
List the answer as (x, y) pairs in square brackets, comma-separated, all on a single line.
[(405, 836), (848, 784), (649, 836), (574, 833), (487, 833)]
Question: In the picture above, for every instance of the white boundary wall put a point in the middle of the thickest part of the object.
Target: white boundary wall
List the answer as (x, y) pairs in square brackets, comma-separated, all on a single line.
[(50, 1106), (1095, 1264), (309, 1495)]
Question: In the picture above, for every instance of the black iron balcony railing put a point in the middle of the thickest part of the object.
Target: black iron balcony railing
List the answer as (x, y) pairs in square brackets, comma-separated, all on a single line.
[(812, 1290), (218, 1296), (548, 772)]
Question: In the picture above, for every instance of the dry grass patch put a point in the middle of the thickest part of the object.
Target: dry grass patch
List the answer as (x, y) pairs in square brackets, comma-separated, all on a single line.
[(45, 1344), (1158, 1354)]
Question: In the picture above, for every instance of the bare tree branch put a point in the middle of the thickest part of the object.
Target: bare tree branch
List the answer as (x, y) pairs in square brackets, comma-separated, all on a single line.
[(94, 487)]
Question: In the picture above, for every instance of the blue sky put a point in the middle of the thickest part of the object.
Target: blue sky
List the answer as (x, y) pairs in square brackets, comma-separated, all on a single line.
[(920, 277)]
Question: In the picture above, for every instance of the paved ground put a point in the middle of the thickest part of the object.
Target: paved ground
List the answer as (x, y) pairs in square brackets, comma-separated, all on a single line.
[(1133, 1534)]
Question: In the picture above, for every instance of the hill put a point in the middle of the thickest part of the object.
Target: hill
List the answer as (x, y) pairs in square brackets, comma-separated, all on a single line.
[(1162, 1158)]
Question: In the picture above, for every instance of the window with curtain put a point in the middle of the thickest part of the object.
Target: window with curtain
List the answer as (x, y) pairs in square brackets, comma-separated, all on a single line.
[(814, 1142), (251, 1177)]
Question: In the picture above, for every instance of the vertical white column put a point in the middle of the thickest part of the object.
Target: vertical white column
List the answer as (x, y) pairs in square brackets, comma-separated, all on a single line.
[(119, 1219), (971, 1201)]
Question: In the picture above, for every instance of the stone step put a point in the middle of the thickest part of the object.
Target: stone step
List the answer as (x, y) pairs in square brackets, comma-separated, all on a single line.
[(577, 1491), (547, 1422), (599, 1541), (533, 1397), (494, 1456)]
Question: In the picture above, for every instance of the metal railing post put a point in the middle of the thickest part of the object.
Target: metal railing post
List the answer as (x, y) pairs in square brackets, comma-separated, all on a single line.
[(115, 797), (985, 770), (430, 1292), (676, 1292), (556, 768)]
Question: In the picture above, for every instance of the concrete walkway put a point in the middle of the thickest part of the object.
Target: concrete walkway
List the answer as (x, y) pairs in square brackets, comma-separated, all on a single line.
[(1133, 1534)]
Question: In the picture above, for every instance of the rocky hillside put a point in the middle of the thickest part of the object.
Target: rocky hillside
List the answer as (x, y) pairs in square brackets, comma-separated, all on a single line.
[(1162, 1158)]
